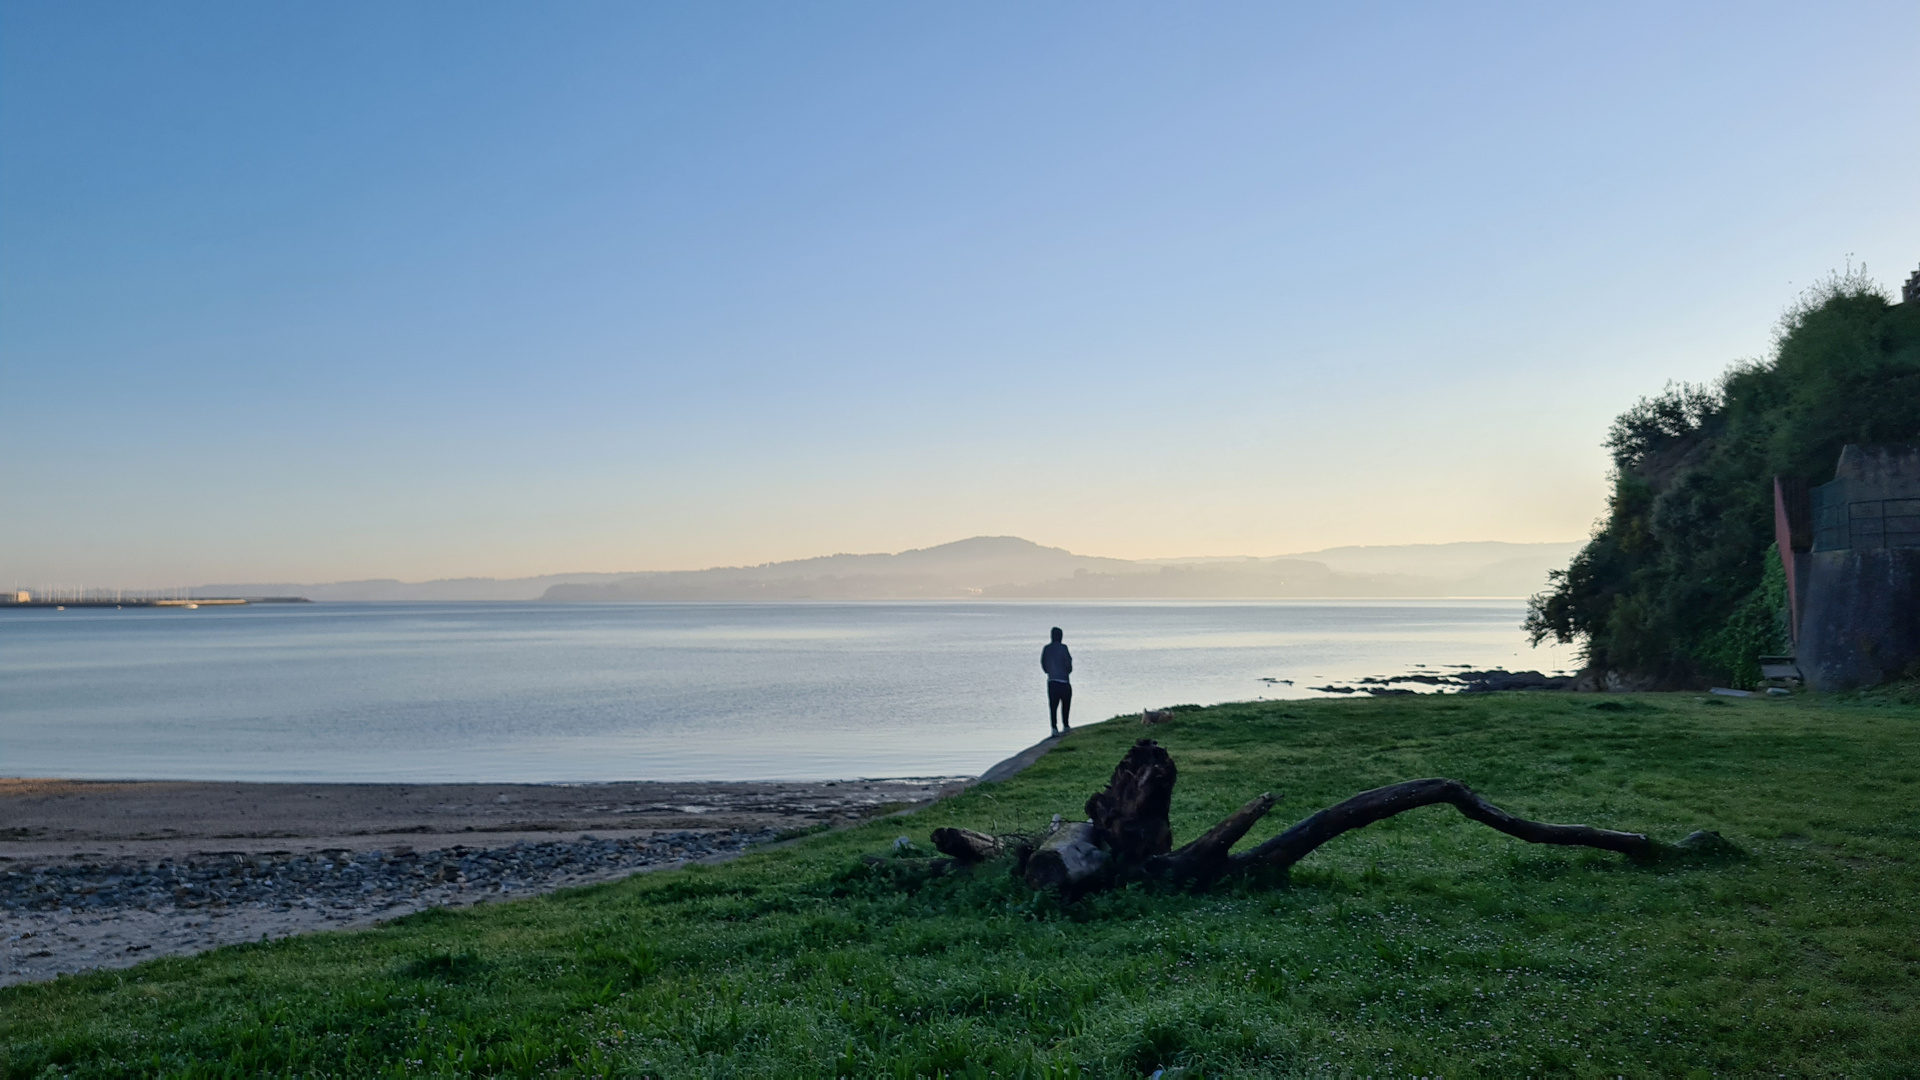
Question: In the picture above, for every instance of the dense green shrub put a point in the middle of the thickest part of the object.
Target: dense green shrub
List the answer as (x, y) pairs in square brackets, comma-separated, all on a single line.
[(1676, 583)]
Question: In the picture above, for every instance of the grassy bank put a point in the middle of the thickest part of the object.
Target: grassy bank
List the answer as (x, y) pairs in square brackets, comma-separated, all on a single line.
[(1425, 944)]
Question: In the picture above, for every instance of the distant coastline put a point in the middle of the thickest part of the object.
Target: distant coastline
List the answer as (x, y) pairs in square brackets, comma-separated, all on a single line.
[(1005, 567), (54, 599)]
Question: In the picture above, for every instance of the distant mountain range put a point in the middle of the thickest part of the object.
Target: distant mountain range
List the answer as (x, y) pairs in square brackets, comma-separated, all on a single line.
[(995, 567)]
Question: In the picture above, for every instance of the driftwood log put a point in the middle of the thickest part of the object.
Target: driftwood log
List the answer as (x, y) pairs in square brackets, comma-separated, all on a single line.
[(968, 846), (1383, 802), (1132, 812), (1129, 835), (1071, 859), (1207, 858)]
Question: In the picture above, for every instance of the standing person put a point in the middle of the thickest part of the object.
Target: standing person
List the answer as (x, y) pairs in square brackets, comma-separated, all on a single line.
[(1057, 662)]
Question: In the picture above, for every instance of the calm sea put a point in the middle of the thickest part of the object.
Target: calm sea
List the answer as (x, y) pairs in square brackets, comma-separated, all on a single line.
[(534, 692)]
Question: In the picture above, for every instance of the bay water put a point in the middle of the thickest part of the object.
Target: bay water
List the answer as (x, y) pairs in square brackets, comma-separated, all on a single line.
[(583, 693)]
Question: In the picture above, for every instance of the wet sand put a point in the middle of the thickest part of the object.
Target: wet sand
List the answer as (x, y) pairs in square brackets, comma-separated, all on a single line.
[(63, 819)]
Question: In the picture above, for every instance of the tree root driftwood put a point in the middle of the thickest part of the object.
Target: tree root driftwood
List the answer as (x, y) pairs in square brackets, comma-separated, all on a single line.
[(1128, 836)]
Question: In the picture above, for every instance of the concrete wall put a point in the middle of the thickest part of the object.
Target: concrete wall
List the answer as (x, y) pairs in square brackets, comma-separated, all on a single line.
[(1861, 624), (1879, 470), (1858, 590)]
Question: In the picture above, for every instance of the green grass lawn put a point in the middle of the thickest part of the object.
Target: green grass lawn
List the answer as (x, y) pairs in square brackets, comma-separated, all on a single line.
[(1423, 945)]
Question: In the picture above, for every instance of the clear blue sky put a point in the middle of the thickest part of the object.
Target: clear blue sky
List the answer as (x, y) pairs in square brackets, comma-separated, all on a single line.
[(326, 290)]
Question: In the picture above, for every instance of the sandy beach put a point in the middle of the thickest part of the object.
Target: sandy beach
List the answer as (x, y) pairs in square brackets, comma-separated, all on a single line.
[(107, 874)]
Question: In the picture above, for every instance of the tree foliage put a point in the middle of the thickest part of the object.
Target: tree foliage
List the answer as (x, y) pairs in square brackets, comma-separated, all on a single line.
[(1680, 582)]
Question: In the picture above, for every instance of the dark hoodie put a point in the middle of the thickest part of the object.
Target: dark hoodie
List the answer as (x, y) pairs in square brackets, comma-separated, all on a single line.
[(1057, 662)]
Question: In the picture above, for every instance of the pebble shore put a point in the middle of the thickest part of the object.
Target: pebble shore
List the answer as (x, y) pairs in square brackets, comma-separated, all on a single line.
[(73, 916), (109, 873)]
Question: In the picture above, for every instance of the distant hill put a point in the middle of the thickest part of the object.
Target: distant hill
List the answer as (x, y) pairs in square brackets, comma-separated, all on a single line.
[(959, 569), (1003, 567), (1459, 560), (1009, 567)]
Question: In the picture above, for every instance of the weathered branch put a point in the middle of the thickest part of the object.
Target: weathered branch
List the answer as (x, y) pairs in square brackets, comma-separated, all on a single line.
[(1205, 859), (1370, 806), (968, 846)]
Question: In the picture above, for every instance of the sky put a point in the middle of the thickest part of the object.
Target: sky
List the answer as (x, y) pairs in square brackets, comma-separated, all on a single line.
[(316, 291)]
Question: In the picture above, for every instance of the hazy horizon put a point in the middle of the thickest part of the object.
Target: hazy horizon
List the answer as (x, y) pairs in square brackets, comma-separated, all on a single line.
[(977, 536), (1152, 560), (995, 567), (336, 292), (1352, 559)]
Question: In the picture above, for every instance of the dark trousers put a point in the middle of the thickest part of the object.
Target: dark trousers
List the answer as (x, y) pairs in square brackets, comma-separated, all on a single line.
[(1060, 701)]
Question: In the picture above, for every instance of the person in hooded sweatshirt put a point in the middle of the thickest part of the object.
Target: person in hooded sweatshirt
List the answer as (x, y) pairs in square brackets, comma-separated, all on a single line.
[(1057, 662)]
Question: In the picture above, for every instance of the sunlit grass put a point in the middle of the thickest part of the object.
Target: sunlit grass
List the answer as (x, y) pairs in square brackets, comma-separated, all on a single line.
[(1425, 944)]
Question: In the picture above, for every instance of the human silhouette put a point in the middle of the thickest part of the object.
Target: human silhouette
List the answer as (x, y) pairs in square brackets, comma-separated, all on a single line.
[(1057, 662)]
